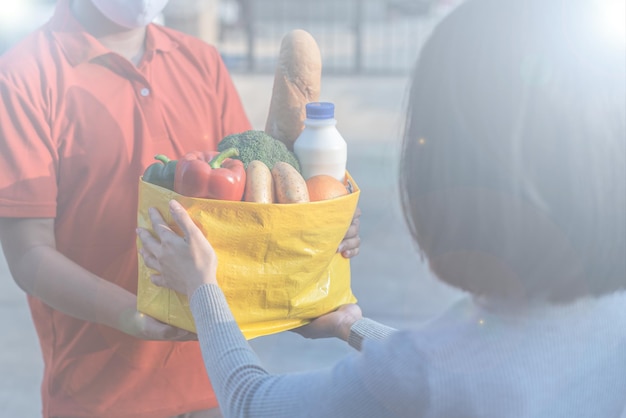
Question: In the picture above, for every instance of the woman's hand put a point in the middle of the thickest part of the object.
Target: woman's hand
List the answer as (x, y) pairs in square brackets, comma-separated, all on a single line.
[(184, 263), (335, 324), (349, 247)]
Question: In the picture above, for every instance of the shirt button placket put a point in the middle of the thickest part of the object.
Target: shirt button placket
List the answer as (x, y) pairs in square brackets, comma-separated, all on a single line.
[(152, 116)]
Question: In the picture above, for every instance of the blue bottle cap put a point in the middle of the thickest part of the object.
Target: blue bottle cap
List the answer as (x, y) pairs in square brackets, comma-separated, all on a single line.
[(320, 110)]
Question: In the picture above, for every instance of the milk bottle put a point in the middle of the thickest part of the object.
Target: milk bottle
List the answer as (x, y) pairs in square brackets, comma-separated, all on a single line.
[(320, 148)]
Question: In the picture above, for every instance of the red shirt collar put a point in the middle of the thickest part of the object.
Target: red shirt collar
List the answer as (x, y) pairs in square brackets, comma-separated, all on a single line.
[(80, 46)]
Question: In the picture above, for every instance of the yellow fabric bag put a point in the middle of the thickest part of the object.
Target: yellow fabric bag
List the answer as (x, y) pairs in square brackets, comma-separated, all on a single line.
[(278, 263)]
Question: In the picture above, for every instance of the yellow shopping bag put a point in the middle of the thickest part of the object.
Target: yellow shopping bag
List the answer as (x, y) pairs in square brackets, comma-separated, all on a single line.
[(278, 263)]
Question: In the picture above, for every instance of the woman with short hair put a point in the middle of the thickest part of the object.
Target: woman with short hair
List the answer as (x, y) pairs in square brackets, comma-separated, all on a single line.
[(513, 185)]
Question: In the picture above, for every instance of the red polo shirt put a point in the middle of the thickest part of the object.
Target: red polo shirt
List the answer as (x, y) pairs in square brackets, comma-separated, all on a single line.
[(78, 126)]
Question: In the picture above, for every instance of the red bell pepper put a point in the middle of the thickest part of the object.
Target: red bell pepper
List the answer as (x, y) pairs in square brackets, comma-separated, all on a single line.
[(210, 175)]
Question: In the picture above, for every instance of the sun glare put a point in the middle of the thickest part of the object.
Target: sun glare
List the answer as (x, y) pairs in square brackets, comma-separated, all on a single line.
[(612, 20), (13, 12)]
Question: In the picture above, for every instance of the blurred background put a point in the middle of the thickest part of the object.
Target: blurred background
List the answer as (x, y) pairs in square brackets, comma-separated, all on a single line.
[(355, 36)]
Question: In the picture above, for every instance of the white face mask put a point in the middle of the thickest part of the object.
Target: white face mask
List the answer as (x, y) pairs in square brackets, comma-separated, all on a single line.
[(130, 13)]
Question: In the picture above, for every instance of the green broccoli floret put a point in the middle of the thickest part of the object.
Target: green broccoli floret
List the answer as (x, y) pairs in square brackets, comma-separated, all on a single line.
[(257, 145)]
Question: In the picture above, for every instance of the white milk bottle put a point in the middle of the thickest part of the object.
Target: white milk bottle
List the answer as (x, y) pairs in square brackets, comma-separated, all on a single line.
[(320, 148)]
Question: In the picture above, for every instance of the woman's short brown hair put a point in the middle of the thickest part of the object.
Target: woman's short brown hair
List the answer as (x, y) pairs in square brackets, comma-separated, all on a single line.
[(513, 168)]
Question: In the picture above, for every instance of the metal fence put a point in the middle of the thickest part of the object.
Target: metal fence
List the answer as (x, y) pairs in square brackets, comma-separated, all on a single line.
[(355, 36)]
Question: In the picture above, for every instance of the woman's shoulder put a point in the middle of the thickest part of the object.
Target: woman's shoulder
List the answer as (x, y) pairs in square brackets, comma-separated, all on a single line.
[(469, 330), (471, 356)]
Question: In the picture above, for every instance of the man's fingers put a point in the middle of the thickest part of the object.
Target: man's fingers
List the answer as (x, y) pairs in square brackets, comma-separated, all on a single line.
[(349, 247), (149, 328), (353, 230), (178, 334), (350, 253)]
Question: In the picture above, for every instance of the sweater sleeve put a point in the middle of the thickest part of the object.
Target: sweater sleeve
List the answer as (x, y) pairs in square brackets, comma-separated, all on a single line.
[(366, 329), (357, 386)]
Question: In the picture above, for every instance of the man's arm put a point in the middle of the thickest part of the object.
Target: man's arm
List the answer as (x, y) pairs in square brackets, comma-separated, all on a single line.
[(40, 270)]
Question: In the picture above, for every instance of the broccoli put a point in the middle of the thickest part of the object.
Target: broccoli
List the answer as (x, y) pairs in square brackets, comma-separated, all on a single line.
[(257, 145)]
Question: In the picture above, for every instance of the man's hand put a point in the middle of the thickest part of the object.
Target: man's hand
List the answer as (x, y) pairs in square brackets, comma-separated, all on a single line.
[(349, 247), (40, 270), (335, 324), (146, 328)]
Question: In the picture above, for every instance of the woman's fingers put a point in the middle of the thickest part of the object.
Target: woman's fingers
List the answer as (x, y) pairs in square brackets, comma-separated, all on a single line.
[(182, 265), (149, 259), (149, 242), (158, 223), (162, 230), (158, 280), (183, 220)]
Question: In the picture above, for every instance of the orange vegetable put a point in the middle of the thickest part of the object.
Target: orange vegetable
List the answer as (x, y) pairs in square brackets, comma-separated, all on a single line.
[(324, 187)]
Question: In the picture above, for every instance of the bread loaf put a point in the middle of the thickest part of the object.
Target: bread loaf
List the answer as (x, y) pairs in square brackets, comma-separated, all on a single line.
[(296, 82)]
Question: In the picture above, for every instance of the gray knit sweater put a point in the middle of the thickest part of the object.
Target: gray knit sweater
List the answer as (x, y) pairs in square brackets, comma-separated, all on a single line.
[(552, 362)]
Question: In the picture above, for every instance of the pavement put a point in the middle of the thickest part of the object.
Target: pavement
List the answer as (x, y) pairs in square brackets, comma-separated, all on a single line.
[(393, 285)]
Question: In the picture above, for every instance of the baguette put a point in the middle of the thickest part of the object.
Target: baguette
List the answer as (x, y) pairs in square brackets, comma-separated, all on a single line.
[(297, 81), (289, 185)]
